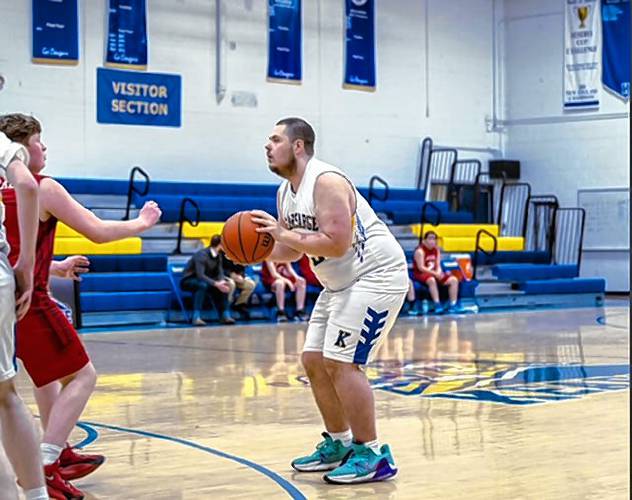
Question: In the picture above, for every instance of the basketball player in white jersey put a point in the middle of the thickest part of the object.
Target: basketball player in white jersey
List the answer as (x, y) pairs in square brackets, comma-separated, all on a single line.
[(18, 434), (364, 274)]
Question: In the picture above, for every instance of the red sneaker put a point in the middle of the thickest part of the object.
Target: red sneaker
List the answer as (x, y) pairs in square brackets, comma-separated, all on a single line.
[(58, 487), (73, 465)]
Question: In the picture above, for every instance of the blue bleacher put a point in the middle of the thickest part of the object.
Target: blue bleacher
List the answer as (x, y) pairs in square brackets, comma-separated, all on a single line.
[(141, 282), (125, 282), (125, 301), (563, 285), (527, 272), (212, 208), (147, 262), (94, 186), (514, 257)]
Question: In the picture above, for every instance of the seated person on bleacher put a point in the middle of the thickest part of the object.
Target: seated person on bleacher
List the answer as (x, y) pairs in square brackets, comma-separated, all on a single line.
[(204, 275), (306, 271), (427, 270), (278, 276), (410, 306), (236, 276)]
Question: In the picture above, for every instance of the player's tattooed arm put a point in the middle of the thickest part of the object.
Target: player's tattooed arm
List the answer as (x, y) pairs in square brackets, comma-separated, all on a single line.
[(335, 206)]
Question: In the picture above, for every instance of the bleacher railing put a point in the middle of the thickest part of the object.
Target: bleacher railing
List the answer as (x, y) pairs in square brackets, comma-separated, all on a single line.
[(439, 173), (424, 162), (464, 174), (373, 193), (512, 213), (423, 219), (131, 188), (539, 228), (479, 248), (183, 218), (76, 293), (568, 235), (483, 184)]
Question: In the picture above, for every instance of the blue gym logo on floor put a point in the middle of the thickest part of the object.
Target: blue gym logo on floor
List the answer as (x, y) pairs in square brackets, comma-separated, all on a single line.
[(497, 382)]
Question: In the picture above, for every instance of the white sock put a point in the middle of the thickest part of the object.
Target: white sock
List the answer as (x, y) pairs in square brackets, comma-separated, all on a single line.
[(453, 303), (374, 445), (50, 453), (346, 437), (36, 494)]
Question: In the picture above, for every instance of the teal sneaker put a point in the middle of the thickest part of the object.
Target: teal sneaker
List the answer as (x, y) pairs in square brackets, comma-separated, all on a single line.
[(329, 454), (364, 466)]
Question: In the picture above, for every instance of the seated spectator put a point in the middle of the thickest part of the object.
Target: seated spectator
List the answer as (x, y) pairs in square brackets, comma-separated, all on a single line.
[(279, 276), (204, 275), (410, 307), (427, 270), (307, 272), (236, 273)]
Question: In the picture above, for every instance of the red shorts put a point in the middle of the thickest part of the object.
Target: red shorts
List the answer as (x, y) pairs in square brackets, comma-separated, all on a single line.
[(47, 343), (423, 277)]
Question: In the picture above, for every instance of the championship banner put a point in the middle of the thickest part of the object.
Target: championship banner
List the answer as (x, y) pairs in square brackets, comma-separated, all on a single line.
[(615, 22), (284, 41), (127, 35), (581, 54), (55, 32), (360, 45), (132, 98)]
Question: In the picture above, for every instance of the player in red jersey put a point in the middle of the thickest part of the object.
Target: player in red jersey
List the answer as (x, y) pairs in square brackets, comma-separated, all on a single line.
[(47, 343)]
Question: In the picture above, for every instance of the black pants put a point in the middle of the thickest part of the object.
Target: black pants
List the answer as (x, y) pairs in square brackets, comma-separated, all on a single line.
[(202, 289)]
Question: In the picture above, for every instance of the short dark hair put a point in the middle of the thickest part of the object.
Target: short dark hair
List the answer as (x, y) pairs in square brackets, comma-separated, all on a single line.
[(216, 240), (19, 127), (427, 234), (297, 128)]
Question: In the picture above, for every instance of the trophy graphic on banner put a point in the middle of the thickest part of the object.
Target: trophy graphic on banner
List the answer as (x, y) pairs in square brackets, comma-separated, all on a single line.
[(582, 14)]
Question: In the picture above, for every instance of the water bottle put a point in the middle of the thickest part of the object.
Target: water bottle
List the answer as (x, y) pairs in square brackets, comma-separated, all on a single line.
[(424, 307)]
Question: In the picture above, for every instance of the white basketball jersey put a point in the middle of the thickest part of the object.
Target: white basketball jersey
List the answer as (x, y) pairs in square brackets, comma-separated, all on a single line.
[(375, 257)]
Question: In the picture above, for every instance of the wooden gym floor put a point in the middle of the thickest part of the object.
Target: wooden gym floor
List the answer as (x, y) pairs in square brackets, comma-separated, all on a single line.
[(530, 404)]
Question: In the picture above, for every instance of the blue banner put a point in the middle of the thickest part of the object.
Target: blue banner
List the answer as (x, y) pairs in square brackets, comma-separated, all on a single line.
[(132, 98), (127, 35), (615, 18), (55, 32), (284, 41), (360, 45)]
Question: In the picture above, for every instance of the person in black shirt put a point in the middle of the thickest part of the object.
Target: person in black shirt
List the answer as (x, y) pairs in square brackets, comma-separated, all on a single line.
[(204, 275), (236, 273)]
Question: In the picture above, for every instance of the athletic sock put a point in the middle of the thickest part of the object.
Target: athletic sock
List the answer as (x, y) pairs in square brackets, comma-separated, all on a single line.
[(50, 453), (374, 445), (36, 494), (346, 437)]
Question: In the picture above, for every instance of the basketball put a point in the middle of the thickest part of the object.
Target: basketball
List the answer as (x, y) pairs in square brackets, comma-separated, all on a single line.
[(242, 243)]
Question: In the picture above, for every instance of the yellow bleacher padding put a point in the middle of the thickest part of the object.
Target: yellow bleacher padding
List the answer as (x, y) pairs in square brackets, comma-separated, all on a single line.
[(505, 243), (63, 231), (202, 230), (72, 246), (455, 230)]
